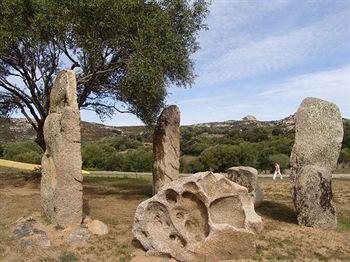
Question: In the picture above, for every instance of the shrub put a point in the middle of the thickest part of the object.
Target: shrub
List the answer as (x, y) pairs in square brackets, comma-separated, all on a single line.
[(95, 155), (124, 142), (115, 162), (28, 157), (220, 157), (344, 156), (281, 159), (138, 160), (23, 151), (193, 166)]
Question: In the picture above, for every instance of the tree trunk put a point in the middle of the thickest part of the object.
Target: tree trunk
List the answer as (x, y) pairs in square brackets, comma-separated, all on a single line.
[(40, 136)]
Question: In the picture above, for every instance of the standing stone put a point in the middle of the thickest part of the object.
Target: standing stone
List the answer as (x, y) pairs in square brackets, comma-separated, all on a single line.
[(204, 217), (61, 183), (248, 177), (166, 148), (318, 137)]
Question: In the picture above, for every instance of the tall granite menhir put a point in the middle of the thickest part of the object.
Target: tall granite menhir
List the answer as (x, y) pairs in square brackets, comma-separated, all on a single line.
[(166, 148), (61, 183), (318, 137)]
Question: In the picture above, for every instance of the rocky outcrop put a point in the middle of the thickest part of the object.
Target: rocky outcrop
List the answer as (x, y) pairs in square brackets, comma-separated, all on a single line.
[(249, 118), (166, 148), (205, 217), (318, 137), (61, 183), (248, 177)]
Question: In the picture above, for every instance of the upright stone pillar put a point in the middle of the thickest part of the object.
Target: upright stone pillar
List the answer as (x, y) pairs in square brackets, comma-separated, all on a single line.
[(166, 148), (318, 137), (248, 177), (61, 183)]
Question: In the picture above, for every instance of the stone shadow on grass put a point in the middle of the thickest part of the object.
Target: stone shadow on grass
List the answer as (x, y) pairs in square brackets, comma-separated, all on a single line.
[(277, 211), (86, 206)]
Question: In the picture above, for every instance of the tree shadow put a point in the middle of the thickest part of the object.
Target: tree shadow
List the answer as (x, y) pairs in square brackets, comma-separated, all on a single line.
[(132, 189), (278, 211), (86, 206)]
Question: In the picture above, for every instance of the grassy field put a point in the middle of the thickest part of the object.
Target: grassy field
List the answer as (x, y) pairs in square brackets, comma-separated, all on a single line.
[(114, 200)]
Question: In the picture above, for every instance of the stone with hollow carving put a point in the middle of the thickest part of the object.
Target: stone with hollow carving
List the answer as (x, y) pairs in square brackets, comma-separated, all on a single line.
[(61, 182), (205, 217), (318, 137), (166, 148)]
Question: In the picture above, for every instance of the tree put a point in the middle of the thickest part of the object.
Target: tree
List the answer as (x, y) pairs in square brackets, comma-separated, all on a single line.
[(125, 53), (95, 154), (220, 157)]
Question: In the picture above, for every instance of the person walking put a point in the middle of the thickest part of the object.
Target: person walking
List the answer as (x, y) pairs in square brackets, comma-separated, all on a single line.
[(277, 171)]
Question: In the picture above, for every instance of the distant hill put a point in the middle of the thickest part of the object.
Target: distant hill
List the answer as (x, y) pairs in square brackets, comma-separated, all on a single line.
[(248, 122), (19, 128)]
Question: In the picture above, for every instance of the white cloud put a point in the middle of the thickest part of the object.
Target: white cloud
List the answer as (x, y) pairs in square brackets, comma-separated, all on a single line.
[(230, 23), (331, 84), (201, 100), (278, 52)]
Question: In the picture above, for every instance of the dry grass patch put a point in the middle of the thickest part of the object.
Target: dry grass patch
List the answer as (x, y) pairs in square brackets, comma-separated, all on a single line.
[(114, 201)]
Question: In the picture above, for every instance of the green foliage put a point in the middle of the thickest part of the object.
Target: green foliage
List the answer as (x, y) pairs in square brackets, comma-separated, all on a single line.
[(344, 155), (250, 146), (346, 139), (192, 166), (249, 134), (1, 151), (122, 143), (193, 143), (96, 154), (200, 150), (281, 159), (28, 157), (23, 151), (114, 162), (220, 157), (128, 51), (103, 156), (138, 160)]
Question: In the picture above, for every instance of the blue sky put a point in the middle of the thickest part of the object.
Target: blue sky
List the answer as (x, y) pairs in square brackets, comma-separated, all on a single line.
[(262, 58)]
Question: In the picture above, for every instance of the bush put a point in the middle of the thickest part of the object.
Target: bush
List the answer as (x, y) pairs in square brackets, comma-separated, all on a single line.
[(23, 151), (28, 157), (115, 162), (344, 157), (124, 142), (220, 157), (138, 160), (193, 166), (281, 159), (95, 155)]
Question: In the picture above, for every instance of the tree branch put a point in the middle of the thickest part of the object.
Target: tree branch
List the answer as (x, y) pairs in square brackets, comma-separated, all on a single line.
[(66, 52), (27, 116), (86, 105)]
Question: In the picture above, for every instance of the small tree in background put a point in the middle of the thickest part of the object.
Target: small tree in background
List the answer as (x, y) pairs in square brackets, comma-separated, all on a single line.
[(126, 50)]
